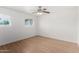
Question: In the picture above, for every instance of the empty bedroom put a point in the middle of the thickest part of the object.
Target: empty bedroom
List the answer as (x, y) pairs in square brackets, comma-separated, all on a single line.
[(39, 29)]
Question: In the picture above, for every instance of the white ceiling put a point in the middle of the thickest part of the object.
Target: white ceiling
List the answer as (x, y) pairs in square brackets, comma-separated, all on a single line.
[(29, 9)]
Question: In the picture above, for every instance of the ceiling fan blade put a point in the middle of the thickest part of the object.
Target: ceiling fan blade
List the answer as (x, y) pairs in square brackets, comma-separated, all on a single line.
[(46, 12), (40, 7), (44, 9)]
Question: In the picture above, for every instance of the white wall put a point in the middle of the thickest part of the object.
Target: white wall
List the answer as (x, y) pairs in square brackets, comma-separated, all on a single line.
[(78, 26), (17, 31), (60, 25)]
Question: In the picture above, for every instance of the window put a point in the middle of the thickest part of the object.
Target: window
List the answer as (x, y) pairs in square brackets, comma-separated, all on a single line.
[(28, 22), (5, 20)]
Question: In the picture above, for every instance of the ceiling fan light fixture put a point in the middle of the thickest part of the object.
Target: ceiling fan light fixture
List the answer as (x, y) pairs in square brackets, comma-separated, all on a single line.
[(39, 13)]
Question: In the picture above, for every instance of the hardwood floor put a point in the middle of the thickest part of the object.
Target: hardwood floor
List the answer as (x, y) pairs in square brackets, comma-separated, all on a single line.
[(40, 45)]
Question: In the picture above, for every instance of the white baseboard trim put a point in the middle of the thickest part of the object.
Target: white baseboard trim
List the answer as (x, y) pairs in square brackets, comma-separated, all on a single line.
[(57, 38), (15, 40), (34, 36)]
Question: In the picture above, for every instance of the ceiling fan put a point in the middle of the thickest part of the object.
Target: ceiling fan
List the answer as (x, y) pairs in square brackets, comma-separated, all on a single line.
[(41, 11)]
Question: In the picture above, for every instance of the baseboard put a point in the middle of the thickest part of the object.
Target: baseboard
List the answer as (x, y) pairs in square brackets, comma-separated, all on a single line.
[(19, 39), (33, 37), (56, 39)]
